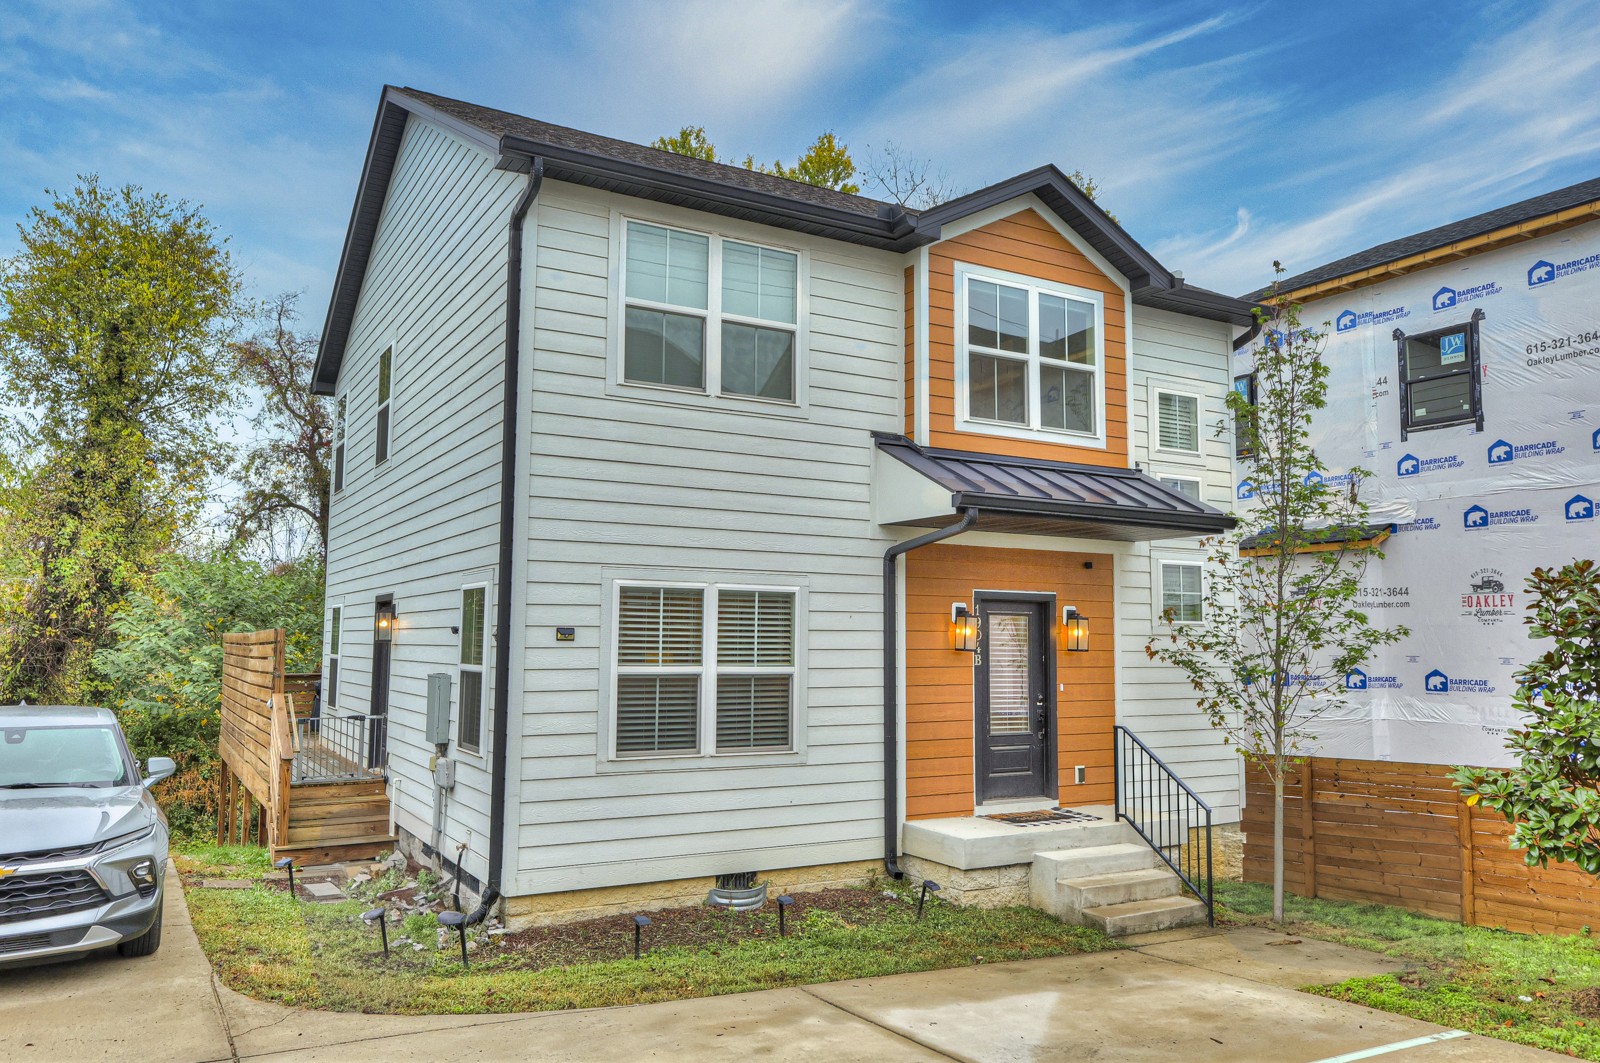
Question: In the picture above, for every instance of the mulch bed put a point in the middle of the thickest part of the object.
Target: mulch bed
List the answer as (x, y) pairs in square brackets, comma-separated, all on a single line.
[(1587, 1002), (699, 926)]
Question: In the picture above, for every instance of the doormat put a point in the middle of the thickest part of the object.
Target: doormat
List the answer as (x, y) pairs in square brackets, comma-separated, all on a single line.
[(1044, 817)]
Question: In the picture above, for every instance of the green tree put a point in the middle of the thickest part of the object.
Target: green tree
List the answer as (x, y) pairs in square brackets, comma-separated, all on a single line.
[(286, 475), (691, 140), (826, 163), (1552, 798), (116, 311), (1281, 624)]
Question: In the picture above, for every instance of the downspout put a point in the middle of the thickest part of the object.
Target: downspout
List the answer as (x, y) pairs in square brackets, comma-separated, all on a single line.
[(891, 682), (508, 509)]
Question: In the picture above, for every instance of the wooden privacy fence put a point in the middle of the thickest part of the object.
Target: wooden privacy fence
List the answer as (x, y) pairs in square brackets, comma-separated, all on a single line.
[(256, 746), (1401, 834)]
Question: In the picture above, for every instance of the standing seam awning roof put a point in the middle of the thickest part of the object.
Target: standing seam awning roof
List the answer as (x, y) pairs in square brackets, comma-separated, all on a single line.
[(1049, 497)]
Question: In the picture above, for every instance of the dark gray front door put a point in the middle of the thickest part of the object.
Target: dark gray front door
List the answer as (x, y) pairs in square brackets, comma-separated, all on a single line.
[(378, 723), (1013, 699)]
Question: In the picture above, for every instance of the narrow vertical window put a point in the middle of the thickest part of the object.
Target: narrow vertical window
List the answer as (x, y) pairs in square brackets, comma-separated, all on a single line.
[(1178, 422), (338, 445), (385, 370), (1245, 386), (330, 686), (660, 662), (755, 670), (474, 623), (1182, 599)]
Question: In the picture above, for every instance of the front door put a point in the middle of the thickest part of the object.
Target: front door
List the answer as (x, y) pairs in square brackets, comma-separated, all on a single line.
[(1013, 699), (378, 719)]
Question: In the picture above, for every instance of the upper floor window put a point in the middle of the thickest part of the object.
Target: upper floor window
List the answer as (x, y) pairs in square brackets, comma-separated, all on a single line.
[(338, 444), (330, 687), (708, 314), (1440, 382), (1182, 597), (1177, 422), (385, 384), (1245, 386), (1031, 355)]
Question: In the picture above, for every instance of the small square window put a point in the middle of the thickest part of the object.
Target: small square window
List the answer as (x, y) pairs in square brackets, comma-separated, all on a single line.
[(1178, 422), (1187, 486), (1182, 599), (1439, 378)]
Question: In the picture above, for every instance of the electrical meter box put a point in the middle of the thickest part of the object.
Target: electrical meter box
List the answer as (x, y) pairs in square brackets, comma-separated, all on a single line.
[(438, 732)]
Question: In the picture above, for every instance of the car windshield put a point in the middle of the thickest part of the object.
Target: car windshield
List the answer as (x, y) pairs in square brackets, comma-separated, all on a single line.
[(61, 756)]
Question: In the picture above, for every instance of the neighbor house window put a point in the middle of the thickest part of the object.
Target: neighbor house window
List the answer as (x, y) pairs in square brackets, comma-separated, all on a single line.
[(474, 623), (1032, 355), (330, 688), (703, 669), (338, 444), (1440, 378), (1177, 422), (1181, 596), (1187, 486), (385, 383), (708, 314), (1245, 387)]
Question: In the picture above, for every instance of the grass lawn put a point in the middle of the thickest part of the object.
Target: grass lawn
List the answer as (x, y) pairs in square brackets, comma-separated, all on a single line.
[(1536, 989), (269, 946)]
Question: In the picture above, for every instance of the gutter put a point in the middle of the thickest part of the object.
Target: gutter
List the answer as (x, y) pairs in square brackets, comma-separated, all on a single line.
[(508, 509), (891, 683)]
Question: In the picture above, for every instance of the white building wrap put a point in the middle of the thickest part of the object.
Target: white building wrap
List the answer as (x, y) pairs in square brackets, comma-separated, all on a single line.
[(1509, 484)]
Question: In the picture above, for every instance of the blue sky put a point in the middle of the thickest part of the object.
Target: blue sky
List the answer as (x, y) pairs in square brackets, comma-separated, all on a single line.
[(1223, 136)]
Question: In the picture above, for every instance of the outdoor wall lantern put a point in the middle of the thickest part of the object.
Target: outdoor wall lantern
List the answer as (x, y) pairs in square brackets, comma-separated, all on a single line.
[(1074, 629), (963, 628), (383, 622)]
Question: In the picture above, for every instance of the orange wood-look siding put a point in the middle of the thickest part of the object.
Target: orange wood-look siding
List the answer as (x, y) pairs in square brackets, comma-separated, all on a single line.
[(939, 710), (1022, 243), (911, 352)]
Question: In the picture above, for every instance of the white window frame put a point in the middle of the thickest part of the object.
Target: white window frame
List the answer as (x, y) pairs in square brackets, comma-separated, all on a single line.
[(706, 753), (384, 408), (1199, 483), (333, 668), (1033, 430), (339, 411), (1158, 596), (476, 749), (712, 394), (1158, 390)]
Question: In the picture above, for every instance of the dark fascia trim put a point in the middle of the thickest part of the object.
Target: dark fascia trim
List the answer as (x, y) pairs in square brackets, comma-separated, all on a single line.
[(1198, 302), (1090, 513), (890, 230), (1142, 270)]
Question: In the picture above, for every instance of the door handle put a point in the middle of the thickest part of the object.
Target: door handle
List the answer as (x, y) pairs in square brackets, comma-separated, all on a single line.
[(1042, 720)]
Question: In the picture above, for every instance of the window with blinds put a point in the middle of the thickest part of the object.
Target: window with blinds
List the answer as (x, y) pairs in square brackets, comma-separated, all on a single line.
[(1178, 421), (474, 624), (704, 670), (755, 669)]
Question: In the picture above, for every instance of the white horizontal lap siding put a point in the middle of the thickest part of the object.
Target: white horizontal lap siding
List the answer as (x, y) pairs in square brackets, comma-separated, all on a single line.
[(426, 522), (1188, 355), (618, 482)]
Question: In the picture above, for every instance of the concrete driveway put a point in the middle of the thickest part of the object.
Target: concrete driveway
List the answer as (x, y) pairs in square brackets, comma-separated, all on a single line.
[(1182, 996)]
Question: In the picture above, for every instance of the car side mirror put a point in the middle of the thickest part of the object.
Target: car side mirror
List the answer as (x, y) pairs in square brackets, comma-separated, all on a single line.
[(158, 769)]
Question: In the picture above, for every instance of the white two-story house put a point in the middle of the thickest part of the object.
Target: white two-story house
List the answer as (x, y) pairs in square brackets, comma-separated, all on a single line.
[(753, 526)]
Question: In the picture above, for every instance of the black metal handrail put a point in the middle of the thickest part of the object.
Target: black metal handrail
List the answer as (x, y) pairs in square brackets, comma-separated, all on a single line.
[(338, 746), (1166, 813)]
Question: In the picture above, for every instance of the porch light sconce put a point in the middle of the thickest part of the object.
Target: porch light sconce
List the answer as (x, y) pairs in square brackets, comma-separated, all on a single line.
[(963, 628), (383, 622), (1074, 629)]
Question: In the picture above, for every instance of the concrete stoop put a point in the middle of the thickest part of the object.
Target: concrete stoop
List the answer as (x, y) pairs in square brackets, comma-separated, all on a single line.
[(1097, 873)]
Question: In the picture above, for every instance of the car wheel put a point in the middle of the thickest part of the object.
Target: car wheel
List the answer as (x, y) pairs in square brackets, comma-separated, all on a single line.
[(145, 944)]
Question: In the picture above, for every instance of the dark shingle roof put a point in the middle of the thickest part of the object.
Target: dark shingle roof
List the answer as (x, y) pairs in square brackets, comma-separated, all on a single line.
[(1442, 236)]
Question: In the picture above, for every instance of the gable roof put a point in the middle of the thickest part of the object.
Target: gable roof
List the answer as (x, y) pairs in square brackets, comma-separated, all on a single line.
[(1548, 212), (619, 166)]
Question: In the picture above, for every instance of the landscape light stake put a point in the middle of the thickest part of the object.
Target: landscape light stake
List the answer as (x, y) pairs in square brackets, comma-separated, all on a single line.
[(783, 907), (459, 921), (287, 864), (927, 885), (639, 923), (378, 915)]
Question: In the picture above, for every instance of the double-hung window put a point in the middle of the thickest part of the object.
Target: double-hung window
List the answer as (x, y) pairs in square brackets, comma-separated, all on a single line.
[(1177, 422), (1439, 378), (474, 624), (708, 314), (702, 669), (1032, 355), (1182, 597), (330, 687), (338, 444), (385, 386)]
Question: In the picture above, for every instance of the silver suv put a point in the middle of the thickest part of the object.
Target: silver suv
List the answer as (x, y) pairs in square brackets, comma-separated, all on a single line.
[(83, 845)]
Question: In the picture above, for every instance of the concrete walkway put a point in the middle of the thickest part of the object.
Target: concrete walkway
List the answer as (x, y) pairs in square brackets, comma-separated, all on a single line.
[(1196, 997)]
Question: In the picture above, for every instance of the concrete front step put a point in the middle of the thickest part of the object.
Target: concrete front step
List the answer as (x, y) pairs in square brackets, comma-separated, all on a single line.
[(1096, 860), (1118, 887), (1142, 917)]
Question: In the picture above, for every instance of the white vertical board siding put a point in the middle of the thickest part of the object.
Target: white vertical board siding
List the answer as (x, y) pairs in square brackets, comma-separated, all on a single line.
[(622, 483), (426, 522), (1193, 356)]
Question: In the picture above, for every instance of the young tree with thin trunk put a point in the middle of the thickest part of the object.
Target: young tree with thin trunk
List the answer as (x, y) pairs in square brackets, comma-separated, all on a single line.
[(1280, 626)]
